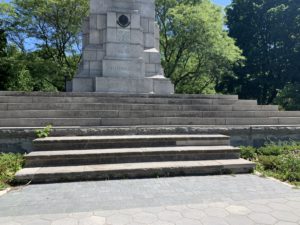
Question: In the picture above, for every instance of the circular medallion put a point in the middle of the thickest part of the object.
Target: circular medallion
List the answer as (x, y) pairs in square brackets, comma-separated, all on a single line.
[(123, 21)]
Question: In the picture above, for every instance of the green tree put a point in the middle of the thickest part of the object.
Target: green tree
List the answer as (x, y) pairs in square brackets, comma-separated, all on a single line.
[(52, 29), (196, 49), (268, 32)]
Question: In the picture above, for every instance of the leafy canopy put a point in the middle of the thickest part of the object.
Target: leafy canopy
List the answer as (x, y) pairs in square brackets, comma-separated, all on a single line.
[(268, 32), (196, 49)]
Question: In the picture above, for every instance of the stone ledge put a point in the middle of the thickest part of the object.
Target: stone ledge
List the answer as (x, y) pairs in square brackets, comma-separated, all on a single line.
[(19, 139)]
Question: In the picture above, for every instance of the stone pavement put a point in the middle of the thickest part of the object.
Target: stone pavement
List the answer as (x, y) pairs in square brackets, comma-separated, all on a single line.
[(215, 200)]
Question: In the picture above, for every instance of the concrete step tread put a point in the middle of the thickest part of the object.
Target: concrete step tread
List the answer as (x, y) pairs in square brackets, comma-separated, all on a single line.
[(94, 94), (141, 114), (125, 100), (141, 150), (130, 138), (228, 163)]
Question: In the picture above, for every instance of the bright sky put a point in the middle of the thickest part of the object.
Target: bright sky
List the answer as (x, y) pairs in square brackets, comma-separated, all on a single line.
[(219, 2)]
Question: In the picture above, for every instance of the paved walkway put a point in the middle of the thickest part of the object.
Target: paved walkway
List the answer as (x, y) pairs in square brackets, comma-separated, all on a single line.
[(215, 200)]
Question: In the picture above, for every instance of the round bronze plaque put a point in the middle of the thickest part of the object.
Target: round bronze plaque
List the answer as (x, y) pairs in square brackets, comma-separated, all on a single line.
[(123, 21)]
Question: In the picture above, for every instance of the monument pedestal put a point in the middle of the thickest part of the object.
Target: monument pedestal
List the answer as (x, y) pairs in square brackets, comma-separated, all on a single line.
[(121, 50), (149, 85)]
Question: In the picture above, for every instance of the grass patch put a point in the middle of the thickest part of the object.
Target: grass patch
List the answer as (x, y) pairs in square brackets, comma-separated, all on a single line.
[(281, 161), (9, 165)]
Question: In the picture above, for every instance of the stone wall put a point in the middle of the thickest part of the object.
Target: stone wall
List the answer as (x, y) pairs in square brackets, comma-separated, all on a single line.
[(19, 139)]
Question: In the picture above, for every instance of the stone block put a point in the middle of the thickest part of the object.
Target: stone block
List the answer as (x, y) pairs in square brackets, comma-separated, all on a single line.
[(123, 50), (145, 25), (148, 40), (100, 54), (151, 26), (162, 86), (123, 85), (123, 68), (154, 57), (95, 68), (101, 22), (93, 22), (111, 34), (95, 37), (150, 68), (148, 10), (146, 57), (89, 54), (135, 21), (137, 37), (83, 85), (99, 6), (123, 35), (158, 69), (111, 19)]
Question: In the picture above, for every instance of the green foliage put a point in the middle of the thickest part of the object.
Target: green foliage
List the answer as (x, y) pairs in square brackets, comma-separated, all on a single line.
[(248, 153), (289, 97), (196, 50), (280, 160), (268, 32), (43, 133), (53, 30), (9, 165)]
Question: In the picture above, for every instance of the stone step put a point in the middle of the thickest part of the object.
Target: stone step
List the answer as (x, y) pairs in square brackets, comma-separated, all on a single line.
[(133, 170), (129, 107), (85, 122), (130, 155), (127, 141), (124, 100), (141, 114), (93, 94)]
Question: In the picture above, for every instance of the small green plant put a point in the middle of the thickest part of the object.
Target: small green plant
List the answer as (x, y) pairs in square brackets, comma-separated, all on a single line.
[(45, 132), (280, 160), (9, 164), (248, 153)]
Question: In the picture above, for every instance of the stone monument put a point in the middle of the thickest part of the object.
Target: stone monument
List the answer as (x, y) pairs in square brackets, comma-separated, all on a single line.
[(121, 50)]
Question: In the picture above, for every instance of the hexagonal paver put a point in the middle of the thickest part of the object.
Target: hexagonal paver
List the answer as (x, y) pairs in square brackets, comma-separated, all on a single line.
[(216, 212), (169, 216), (159, 222), (210, 220), (105, 213), (259, 208), (286, 223), (65, 221), (7, 220), (186, 221), (197, 206), (131, 212), (144, 217), (262, 218), (177, 208), (279, 206), (193, 214), (119, 219), (238, 220), (37, 222), (238, 210), (10, 223), (285, 216), (218, 204), (92, 220), (80, 215), (294, 204)]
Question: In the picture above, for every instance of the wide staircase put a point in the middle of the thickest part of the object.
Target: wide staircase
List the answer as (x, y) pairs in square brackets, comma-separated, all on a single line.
[(19, 109), (64, 159), (126, 155)]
